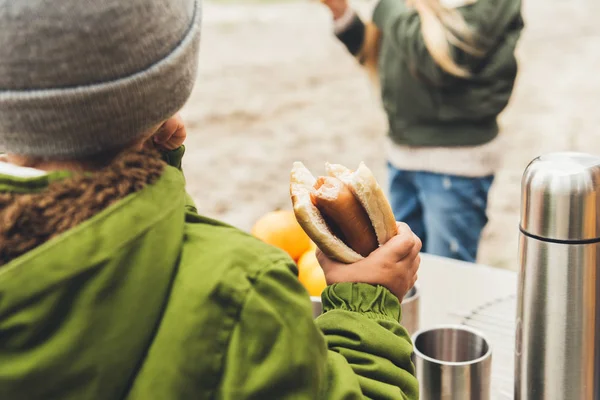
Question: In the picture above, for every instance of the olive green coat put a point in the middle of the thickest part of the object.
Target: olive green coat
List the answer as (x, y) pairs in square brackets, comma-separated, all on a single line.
[(149, 300)]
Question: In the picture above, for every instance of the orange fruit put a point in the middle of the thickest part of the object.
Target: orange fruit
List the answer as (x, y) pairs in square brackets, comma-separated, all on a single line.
[(281, 229), (306, 264), (310, 273)]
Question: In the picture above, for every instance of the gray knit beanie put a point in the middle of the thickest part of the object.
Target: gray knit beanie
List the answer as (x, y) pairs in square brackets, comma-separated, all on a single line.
[(78, 77)]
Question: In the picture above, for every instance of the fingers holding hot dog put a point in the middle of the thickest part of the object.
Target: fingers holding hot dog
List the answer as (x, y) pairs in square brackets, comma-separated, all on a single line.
[(394, 265), (349, 218)]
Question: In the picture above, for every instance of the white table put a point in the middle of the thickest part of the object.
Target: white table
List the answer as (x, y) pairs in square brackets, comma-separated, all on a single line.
[(451, 291)]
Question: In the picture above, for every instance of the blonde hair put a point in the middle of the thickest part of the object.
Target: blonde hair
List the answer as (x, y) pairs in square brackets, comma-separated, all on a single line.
[(442, 27)]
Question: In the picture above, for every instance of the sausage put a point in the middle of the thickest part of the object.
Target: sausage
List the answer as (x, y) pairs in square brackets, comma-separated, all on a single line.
[(344, 215)]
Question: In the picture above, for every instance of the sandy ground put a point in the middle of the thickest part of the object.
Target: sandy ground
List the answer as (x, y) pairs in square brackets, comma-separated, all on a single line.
[(275, 86)]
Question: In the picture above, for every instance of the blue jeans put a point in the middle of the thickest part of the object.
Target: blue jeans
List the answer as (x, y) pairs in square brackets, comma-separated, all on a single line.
[(446, 212)]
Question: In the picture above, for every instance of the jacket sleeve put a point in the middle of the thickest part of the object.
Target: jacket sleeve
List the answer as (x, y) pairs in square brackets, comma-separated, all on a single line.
[(352, 34), (490, 20), (356, 350), (362, 41)]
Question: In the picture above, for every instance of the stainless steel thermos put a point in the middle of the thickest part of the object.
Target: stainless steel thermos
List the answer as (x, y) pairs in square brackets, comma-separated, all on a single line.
[(558, 316)]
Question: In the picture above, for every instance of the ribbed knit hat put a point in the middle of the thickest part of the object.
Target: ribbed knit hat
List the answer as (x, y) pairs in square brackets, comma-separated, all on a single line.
[(78, 77)]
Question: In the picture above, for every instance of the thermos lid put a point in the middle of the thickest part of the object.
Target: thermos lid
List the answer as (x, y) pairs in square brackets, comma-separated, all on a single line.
[(560, 197)]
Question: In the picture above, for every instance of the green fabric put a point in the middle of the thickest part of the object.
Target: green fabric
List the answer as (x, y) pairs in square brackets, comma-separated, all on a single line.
[(30, 185), (428, 107), (175, 157), (149, 300)]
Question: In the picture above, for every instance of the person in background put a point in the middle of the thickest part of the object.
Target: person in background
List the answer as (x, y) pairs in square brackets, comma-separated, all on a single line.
[(446, 70), (112, 286)]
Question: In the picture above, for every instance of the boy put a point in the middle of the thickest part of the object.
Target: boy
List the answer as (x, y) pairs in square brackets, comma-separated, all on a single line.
[(111, 285)]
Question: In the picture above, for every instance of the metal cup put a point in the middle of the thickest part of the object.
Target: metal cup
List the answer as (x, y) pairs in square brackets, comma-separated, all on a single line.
[(410, 309), (453, 363), (317, 306)]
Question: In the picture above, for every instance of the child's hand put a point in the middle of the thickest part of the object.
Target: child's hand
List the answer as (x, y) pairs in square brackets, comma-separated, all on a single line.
[(171, 134), (393, 266), (337, 7)]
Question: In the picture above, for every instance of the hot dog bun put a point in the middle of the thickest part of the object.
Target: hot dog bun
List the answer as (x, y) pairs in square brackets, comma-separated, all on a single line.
[(366, 192)]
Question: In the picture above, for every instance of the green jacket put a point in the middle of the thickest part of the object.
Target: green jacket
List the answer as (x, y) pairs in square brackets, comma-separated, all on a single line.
[(149, 300), (428, 107)]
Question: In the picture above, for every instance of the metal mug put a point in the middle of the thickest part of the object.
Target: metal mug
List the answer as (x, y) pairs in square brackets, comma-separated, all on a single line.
[(317, 306), (410, 309), (453, 362)]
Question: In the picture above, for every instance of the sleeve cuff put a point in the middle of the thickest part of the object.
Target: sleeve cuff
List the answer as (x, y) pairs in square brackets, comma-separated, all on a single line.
[(374, 301), (343, 23), (353, 36)]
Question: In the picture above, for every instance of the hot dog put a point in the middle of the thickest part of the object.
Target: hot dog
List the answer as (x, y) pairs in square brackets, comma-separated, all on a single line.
[(345, 213)]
